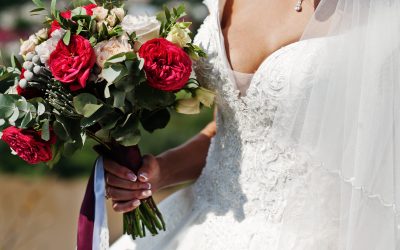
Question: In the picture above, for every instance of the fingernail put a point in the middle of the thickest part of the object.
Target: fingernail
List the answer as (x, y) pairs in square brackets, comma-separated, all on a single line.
[(148, 185), (136, 203), (146, 193), (115, 205), (132, 177), (144, 176)]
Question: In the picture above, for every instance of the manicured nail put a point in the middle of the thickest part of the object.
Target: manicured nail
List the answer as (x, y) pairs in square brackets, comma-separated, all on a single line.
[(115, 205), (146, 193), (136, 203), (144, 177), (132, 177), (148, 185)]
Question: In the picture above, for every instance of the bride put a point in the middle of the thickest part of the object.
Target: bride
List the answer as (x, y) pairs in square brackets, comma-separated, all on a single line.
[(303, 153)]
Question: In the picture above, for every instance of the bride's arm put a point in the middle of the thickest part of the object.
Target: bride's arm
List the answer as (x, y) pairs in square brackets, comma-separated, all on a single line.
[(174, 166)]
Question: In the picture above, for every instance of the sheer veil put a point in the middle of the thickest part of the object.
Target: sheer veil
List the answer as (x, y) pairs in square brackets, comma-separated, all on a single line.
[(347, 122)]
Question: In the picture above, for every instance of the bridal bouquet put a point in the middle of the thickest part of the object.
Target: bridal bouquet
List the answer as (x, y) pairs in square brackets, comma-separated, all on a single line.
[(96, 72)]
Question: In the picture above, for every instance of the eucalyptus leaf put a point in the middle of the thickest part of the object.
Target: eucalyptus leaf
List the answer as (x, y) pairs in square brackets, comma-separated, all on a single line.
[(7, 105), (86, 104), (46, 130), (41, 109), (152, 120), (128, 134), (151, 98), (14, 117), (60, 131), (114, 73)]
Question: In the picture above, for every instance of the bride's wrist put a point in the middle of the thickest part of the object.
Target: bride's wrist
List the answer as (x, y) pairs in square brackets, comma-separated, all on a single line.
[(163, 175)]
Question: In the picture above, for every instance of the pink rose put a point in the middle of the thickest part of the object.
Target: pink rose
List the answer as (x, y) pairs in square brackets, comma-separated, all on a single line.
[(72, 64), (167, 66)]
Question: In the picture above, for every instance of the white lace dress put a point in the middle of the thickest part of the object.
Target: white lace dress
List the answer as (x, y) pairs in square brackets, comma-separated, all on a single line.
[(250, 194)]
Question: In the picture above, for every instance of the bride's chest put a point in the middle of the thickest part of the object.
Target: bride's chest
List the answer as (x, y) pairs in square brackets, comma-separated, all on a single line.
[(281, 79)]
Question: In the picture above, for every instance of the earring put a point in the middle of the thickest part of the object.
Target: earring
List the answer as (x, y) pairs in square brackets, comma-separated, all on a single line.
[(298, 7)]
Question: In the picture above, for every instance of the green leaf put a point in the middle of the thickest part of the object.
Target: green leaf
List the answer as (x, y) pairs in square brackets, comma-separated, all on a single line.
[(183, 94), (188, 106), (101, 113), (119, 98), (57, 151), (151, 98), (7, 105), (119, 58), (53, 7), (15, 62), (41, 109), (28, 118), (152, 120), (110, 120), (205, 96), (46, 130), (37, 10), (128, 134), (86, 104), (114, 73), (38, 3), (167, 13), (14, 117), (60, 131), (67, 37)]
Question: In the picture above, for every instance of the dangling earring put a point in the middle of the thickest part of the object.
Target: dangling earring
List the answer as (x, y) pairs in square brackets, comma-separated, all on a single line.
[(298, 7)]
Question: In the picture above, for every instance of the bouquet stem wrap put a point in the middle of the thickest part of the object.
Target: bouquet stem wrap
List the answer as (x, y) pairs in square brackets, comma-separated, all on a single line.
[(146, 216)]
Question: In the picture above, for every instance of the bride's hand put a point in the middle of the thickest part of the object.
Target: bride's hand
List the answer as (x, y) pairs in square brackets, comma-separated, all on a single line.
[(125, 188)]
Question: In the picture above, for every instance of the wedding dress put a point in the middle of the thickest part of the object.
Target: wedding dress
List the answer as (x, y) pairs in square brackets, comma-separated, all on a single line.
[(260, 191), (242, 198)]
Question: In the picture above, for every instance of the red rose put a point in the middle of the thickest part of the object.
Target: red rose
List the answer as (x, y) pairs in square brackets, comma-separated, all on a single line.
[(28, 145), (27, 92), (89, 9), (72, 64), (68, 14), (167, 66)]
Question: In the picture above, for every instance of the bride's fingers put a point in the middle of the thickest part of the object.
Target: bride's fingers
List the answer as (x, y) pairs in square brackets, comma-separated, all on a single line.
[(127, 206), (117, 194), (118, 170), (149, 168), (117, 182)]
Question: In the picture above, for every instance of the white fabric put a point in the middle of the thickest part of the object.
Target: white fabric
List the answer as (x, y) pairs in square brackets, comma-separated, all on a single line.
[(242, 81), (100, 230), (309, 158)]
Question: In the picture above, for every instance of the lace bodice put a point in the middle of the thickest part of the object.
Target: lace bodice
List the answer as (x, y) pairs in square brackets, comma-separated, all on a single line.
[(242, 197)]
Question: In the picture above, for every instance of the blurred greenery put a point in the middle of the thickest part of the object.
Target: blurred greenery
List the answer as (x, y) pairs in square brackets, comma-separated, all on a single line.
[(180, 129)]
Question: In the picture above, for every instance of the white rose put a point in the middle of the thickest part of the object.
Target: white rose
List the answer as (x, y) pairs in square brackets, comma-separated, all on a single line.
[(100, 13), (46, 48), (29, 45), (42, 34), (119, 13), (106, 49), (146, 27), (179, 36), (111, 20)]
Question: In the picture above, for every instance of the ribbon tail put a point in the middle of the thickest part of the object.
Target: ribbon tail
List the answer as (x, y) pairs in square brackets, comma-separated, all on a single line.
[(92, 225)]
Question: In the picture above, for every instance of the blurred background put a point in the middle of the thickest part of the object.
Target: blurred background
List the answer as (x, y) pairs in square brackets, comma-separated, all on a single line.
[(39, 206)]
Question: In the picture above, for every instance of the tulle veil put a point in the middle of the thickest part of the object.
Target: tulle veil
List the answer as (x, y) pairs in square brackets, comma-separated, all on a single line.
[(347, 122)]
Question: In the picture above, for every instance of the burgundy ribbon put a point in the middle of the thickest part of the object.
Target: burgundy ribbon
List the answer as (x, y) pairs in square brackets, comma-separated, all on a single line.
[(86, 217)]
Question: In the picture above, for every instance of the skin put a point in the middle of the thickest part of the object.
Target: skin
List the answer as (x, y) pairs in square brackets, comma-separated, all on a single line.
[(276, 25)]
